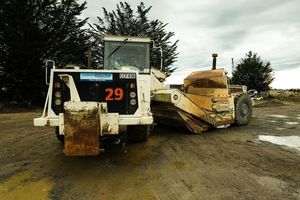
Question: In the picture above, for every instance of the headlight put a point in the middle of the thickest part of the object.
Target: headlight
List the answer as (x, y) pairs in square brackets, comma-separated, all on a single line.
[(57, 102), (132, 94), (132, 101), (58, 94)]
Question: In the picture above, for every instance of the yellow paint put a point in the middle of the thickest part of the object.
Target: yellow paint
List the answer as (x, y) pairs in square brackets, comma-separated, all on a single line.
[(201, 101), (21, 186)]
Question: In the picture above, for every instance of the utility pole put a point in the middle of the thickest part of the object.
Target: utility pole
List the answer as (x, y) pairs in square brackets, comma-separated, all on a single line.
[(89, 64)]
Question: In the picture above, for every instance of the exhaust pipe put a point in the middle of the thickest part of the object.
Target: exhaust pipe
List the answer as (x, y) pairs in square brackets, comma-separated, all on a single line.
[(214, 64)]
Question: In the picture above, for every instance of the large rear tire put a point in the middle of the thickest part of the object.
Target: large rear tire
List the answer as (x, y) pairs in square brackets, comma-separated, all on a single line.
[(243, 109), (138, 133), (60, 138)]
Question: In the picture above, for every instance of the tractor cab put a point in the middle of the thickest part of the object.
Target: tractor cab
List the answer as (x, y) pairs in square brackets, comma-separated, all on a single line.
[(121, 53)]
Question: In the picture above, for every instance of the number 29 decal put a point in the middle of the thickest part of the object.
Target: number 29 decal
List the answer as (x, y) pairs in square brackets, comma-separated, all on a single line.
[(114, 94)]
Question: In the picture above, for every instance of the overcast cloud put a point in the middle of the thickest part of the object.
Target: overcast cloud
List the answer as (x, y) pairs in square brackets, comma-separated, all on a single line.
[(270, 28)]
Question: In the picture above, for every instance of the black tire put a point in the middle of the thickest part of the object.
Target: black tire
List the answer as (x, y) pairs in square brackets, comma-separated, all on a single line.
[(60, 138), (138, 133), (243, 109)]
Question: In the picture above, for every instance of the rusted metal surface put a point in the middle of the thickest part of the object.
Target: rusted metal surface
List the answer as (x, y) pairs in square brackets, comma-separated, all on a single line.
[(81, 129), (109, 124)]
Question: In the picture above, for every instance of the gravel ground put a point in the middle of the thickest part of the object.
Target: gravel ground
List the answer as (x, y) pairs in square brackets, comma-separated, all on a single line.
[(226, 163)]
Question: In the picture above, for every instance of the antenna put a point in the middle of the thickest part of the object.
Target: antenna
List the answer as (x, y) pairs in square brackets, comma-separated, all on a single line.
[(89, 64)]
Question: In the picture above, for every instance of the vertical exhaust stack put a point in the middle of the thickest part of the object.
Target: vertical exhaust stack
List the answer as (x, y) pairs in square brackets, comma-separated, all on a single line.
[(214, 64)]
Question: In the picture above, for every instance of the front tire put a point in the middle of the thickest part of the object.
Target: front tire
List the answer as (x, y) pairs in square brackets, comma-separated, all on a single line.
[(243, 109), (138, 133)]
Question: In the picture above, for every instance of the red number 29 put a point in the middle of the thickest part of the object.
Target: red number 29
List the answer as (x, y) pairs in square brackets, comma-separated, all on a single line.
[(114, 94)]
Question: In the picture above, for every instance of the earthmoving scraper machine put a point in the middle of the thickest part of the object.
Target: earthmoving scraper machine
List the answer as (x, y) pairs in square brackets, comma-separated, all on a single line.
[(207, 101), (91, 106)]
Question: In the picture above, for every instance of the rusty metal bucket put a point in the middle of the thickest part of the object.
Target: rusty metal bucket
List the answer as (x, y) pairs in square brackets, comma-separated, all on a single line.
[(81, 128)]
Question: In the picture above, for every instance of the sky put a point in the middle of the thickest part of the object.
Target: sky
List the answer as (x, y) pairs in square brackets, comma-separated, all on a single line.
[(270, 28)]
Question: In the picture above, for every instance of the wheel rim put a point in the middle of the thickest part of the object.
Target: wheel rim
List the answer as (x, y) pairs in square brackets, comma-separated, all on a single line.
[(245, 109)]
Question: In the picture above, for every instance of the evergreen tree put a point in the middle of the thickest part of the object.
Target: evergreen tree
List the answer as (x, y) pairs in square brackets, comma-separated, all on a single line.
[(124, 21), (253, 72), (32, 31)]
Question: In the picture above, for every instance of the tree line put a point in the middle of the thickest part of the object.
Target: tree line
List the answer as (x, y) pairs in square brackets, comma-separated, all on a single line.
[(32, 31), (253, 72)]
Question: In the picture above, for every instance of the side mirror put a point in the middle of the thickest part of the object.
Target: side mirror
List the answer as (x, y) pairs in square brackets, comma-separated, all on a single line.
[(49, 64)]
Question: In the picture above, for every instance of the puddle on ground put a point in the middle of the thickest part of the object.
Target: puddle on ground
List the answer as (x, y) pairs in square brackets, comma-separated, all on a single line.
[(289, 141), (292, 123), (21, 186), (277, 116)]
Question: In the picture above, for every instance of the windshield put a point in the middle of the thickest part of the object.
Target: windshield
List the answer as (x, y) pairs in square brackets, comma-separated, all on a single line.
[(127, 56)]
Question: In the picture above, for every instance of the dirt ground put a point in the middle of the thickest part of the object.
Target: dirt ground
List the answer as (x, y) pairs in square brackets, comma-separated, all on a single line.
[(226, 163)]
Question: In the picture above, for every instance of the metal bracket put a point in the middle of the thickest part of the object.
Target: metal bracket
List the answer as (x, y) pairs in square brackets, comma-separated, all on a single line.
[(68, 79)]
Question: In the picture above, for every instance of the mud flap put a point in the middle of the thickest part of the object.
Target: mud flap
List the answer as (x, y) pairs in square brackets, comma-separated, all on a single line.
[(81, 128)]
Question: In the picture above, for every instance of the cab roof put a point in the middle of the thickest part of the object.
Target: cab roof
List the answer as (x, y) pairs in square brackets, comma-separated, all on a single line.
[(129, 38)]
